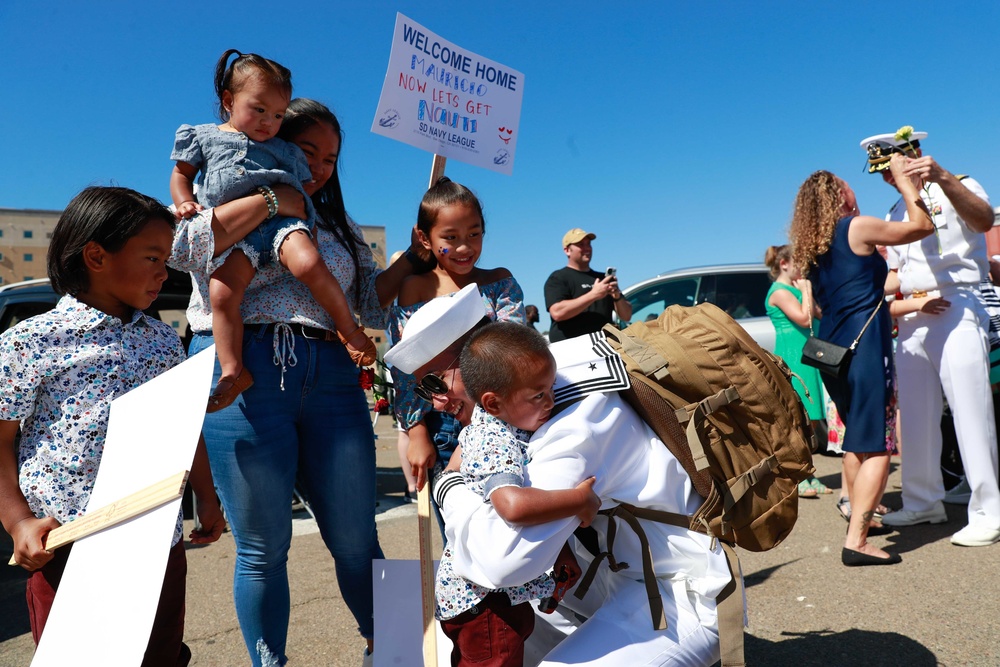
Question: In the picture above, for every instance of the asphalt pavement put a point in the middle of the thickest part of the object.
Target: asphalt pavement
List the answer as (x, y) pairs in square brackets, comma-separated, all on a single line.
[(940, 606)]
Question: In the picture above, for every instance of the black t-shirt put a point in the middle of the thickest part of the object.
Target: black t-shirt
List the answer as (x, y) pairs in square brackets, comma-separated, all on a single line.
[(568, 283)]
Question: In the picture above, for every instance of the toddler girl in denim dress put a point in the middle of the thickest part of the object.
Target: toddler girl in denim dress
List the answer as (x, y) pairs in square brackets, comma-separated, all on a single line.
[(234, 160)]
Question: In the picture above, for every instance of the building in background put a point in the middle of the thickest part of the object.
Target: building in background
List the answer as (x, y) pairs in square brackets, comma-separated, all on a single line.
[(25, 234), (24, 243)]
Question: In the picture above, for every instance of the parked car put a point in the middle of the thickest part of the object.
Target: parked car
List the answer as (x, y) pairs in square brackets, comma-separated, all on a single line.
[(19, 301), (738, 289)]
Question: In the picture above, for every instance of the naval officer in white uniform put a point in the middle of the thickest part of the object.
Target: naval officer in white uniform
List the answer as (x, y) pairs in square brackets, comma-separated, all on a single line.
[(948, 349)]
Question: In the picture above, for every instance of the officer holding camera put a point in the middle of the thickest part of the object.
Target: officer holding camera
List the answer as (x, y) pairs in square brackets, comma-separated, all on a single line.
[(579, 300)]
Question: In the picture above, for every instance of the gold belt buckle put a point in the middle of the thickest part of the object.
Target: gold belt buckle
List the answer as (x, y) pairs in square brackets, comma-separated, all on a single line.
[(918, 294)]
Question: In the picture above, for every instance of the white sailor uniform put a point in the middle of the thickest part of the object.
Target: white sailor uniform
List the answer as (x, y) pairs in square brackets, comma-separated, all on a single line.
[(601, 435), (951, 347)]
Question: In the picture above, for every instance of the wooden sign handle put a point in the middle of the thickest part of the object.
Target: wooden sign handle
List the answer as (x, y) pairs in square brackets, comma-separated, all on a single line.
[(437, 169), (424, 528), (427, 575), (130, 506)]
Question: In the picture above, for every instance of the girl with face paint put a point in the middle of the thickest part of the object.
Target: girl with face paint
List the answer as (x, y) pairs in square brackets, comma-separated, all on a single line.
[(451, 226)]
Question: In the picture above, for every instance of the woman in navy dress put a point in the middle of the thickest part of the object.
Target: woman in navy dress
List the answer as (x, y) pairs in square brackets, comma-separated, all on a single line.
[(835, 247)]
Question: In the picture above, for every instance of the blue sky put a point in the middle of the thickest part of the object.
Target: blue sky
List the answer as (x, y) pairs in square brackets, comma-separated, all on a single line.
[(678, 132)]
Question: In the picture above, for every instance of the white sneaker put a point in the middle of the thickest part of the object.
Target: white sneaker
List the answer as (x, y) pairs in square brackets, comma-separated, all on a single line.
[(367, 659), (973, 536), (959, 494), (905, 517)]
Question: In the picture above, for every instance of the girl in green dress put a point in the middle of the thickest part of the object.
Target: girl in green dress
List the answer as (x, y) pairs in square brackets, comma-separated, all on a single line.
[(790, 306)]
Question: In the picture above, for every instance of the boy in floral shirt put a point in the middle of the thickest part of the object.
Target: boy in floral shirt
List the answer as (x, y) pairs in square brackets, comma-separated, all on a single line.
[(509, 371), (62, 369)]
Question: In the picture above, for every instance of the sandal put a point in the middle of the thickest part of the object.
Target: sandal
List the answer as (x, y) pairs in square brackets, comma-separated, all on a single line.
[(367, 355), (806, 490), (820, 487), (844, 508), (224, 398)]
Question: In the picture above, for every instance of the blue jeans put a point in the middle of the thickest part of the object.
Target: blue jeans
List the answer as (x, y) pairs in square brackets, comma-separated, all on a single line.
[(319, 426)]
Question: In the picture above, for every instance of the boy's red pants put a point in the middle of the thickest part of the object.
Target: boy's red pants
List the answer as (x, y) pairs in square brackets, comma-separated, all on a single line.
[(491, 634)]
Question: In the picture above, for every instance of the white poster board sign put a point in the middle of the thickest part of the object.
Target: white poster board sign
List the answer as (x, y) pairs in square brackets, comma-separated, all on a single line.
[(398, 631), (446, 100), (104, 609)]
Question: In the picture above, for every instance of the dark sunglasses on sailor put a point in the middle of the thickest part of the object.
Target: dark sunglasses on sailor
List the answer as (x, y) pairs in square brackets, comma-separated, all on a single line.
[(432, 385)]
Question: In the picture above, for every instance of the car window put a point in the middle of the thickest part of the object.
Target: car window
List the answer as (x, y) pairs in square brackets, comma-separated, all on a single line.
[(649, 302), (742, 294)]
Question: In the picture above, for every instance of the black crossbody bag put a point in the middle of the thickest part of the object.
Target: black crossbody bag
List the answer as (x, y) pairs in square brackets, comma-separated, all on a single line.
[(831, 358)]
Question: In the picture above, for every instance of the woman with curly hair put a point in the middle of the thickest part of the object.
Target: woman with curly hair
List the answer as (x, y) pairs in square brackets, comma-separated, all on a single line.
[(835, 246)]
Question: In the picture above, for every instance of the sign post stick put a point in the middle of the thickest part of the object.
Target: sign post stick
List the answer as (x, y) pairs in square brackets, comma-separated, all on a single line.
[(427, 574), (424, 522), (437, 169)]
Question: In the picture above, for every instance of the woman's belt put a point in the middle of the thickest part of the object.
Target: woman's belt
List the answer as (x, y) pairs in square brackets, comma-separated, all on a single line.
[(309, 333)]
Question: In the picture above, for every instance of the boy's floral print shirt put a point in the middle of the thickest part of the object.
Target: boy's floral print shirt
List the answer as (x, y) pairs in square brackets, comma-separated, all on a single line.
[(59, 372), (493, 455), (456, 594)]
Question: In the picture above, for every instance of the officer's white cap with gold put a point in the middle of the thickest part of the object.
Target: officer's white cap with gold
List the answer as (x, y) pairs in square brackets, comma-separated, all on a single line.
[(880, 147)]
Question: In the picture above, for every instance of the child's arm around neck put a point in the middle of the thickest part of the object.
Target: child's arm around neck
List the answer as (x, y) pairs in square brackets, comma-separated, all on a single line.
[(527, 506)]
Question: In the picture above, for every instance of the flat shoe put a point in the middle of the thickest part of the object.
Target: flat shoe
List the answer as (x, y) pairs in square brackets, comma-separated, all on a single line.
[(223, 399), (852, 558)]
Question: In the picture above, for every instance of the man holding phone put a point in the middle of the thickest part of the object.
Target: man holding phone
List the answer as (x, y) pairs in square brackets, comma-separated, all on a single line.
[(579, 300)]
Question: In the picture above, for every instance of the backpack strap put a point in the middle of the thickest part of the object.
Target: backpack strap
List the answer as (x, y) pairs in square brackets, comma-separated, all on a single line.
[(644, 356), (615, 566), (625, 512), (702, 409), (744, 483), (729, 612), (729, 603)]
